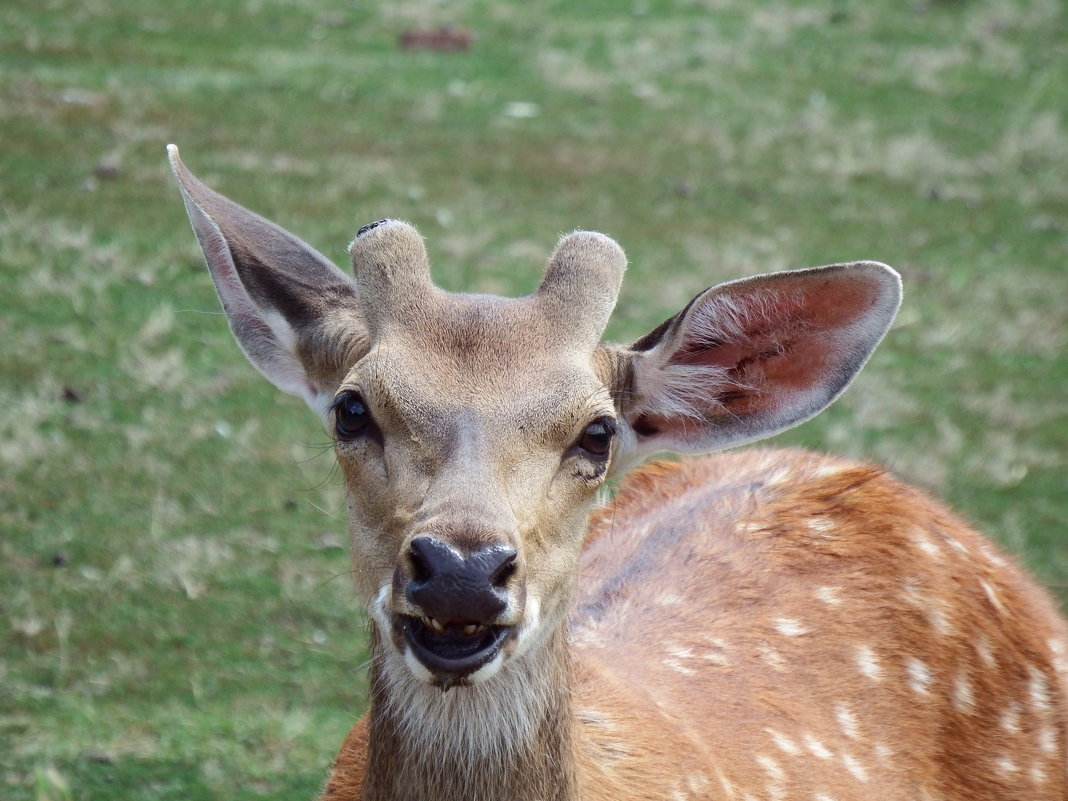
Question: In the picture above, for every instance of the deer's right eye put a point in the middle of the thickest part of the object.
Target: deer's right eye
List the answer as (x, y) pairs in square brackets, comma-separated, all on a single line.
[(351, 418)]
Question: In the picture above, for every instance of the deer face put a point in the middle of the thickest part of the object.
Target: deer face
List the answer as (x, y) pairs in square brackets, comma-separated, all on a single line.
[(474, 431), (472, 442)]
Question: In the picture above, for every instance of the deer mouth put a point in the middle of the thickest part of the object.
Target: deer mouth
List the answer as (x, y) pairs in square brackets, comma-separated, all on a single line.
[(453, 648)]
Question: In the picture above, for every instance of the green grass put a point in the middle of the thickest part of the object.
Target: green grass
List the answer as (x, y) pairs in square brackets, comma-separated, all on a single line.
[(175, 616)]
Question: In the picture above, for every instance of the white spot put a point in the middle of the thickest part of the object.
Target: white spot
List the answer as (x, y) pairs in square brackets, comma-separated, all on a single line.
[(1010, 718), (671, 599), (784, 743), (817, 748), (777, 776), (822, 797), (985, 651), (1047, 739), (680, 651), (883, 752), (1005, 765), (827, 470), (854, 766), (868, 663), (789, 627), (963, 695), (595, 718), (822, 524), (847, 720), (1038, 690), (1060, 654), (957, 545), (717, 654), (919, 675), (678, 667), (925, 544), (725, 783), (932, 608), (1038, 775), (913, 588), (780, 475), (774, 770), (829, 595), (938, 619), (773, 658), (992, 596), (697, 783), (992, 557)]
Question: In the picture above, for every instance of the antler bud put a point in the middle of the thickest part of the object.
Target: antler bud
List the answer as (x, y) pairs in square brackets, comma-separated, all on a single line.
[(581, 285), (392, 270)]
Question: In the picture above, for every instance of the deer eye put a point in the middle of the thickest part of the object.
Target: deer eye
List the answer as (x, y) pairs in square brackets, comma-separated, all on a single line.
[(351, 418), (596, 440)]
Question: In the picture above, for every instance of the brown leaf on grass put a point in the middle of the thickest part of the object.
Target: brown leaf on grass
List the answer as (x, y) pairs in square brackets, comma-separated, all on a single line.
[(446, 39)]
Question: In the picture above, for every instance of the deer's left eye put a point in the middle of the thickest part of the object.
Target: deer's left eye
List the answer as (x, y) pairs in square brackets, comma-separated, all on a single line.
[(596, 440)]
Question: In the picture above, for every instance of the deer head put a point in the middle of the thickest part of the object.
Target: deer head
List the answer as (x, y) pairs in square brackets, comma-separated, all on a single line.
[(475, 431)]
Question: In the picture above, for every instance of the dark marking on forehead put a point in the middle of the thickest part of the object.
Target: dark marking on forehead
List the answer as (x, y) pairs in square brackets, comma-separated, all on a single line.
[(371, 226)]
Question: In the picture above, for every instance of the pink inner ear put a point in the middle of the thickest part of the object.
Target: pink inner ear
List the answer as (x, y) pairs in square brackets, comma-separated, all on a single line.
[(753, 357), (764, 322), (774, 341), (727, 354)]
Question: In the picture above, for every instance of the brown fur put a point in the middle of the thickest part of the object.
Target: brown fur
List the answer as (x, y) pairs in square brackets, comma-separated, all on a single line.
[(727, 548), (685, 686)]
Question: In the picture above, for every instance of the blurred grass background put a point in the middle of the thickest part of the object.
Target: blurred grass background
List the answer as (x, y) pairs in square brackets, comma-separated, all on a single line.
[(175, 617)]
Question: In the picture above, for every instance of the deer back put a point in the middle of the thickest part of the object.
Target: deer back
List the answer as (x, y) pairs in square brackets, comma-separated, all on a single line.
[(801, 627)]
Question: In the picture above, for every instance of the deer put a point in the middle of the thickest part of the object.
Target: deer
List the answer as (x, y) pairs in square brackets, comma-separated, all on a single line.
[(737, 625)]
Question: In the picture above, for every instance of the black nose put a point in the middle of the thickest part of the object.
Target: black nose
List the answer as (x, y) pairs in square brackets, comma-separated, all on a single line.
[(448, 585)]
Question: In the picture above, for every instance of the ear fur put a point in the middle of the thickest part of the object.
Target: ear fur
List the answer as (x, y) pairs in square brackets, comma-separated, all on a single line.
[(293, 312), (750, 358)]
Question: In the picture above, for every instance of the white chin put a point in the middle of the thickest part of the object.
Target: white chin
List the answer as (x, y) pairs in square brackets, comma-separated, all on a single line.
[(418, 669), (488, 670), (530, 630)]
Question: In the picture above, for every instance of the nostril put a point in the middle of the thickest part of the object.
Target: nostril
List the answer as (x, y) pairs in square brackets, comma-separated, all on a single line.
[(500, 576), (422, 571)]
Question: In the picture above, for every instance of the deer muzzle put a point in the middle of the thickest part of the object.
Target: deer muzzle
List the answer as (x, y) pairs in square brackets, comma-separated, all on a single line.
[(458, 602)]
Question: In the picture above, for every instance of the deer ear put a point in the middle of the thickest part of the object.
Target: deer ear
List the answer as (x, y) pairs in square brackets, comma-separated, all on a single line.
[(747, 359), (292, 311)]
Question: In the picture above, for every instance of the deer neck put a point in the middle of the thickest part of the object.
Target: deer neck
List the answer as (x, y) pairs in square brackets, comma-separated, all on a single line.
[(510, 737)]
